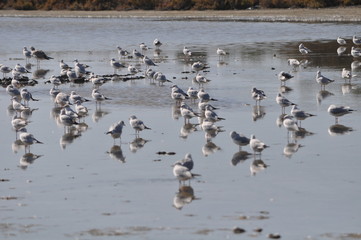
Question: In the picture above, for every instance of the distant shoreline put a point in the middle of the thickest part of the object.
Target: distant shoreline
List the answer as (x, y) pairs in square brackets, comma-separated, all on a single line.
[(341, 14)]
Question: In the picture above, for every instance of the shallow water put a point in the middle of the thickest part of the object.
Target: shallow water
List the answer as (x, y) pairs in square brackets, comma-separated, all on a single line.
[(84, 187)]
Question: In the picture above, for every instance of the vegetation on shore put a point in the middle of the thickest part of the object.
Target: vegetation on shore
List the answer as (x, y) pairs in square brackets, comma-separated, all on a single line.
[(98, 5)]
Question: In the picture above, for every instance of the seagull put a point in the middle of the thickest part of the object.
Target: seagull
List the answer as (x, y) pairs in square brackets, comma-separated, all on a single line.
[(258, 95), (39, 55), (157, 43), (339, 111), (341, 41), (71, 74), (137, 124), (20, 69), (186, 52), (27, 138), (63, 65), (5, 70), (143, 47), (27, 96), (132, 69), (81, 110), (55, 81), (283, 101), (211, 115), (293, 62), (284, 76), (98, 97), (67, 119), (355, 52), (220, 53), (192, 93), (116, 130), (322, 80), (122, 52), (346, 74), (204, 96), (137, 54), (203, 104), (62, 99), (148, 62), (289, 123), (80, 69), (187, 162), (27, 54), (187, 112), (178, 94), (239, 139), (257, 145), (18, 106), (181, 169), (76, 97), (300, 114), (356, 40), (198, 66), (13, 92), (200, 79), (303, 50), (116, 65), (19, 122)]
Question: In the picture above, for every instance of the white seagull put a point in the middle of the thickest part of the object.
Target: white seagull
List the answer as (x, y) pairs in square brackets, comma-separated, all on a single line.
[(322, 80), (257, 145), (303, 50), (116, 130), (341, 41), (339, 111), (137, 124), (239, 139)]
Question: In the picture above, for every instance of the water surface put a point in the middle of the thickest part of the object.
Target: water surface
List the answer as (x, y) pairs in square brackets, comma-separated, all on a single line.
[(86, 186)]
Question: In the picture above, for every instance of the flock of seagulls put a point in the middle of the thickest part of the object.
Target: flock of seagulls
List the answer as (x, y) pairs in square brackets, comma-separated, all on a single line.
[(71, 109)]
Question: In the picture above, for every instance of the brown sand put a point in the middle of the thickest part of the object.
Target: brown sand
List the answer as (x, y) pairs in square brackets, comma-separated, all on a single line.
[(347, 14)]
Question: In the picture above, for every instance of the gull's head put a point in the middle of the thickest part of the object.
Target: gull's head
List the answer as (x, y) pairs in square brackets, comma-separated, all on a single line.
[(232, 134), (132, 117), (253, 136), (122, 123)]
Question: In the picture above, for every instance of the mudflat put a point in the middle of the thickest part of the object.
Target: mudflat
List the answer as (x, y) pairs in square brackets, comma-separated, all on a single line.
[(340, 14)]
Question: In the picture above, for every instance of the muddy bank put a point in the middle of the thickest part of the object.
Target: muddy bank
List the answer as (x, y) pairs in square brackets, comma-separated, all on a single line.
[(348, 14)]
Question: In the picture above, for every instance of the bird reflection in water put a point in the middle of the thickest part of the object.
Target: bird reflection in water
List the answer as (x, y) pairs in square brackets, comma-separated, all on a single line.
[(116, 153), (27, 159), (257, 166), (184, 196), (341, 50), (302, 133), (17, 145), (187, 129), (210, 148), (176, 112), (98, 114), (69, 136), (240, 157), (137, 144), (291, 148), (339, 129), (258, 112), (40, 73), (323, 94)]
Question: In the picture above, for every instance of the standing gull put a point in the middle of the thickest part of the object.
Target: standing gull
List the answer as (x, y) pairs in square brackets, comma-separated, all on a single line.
[(39, 55), (257, 145), (341, 41), (300, 114), (137, 124), (239, 139), (157, 43), (322, 80), (27, 54), (258, 95), (98, 97), (283, 102), (116, 65), (221, 53), (339, 111), (284, 76), (27, 138), (27, 96), (116, 130), (148, 62), (356, 40)]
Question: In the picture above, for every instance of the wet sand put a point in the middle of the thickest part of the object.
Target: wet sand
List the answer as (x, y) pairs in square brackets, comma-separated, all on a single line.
[(342, 14)]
